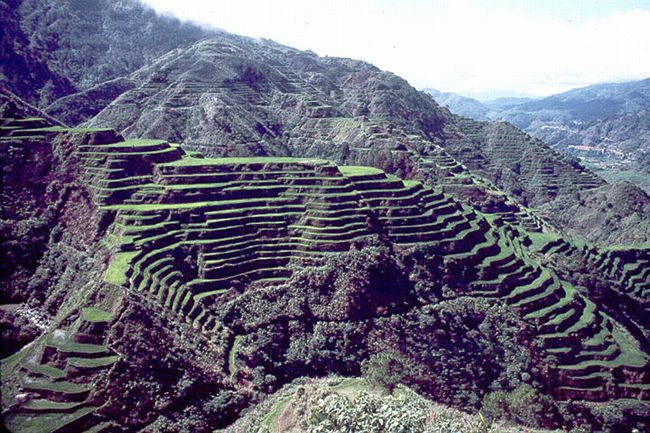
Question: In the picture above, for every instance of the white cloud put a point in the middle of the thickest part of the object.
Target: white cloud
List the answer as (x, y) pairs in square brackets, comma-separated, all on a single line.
[(455, 45)]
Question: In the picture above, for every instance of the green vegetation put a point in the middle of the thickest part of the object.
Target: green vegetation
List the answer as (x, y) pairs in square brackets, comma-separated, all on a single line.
[(45, 423), (355, 171), (189, 161), (387, 370), (93, 362), (282, 268), (119, 267), (348, 405), (92, 314)]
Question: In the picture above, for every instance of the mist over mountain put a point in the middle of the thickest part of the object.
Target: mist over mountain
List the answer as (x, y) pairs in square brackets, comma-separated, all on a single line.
[(461, 105)]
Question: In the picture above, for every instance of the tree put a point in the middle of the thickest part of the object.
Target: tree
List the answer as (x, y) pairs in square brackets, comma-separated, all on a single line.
[(386, 370)]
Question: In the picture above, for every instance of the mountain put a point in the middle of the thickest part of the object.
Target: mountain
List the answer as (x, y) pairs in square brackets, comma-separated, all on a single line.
[(72, 46), (234, 96), (505, 102), (232, 218), (605, 125), (459, 104), (584, 104), (251, 273)]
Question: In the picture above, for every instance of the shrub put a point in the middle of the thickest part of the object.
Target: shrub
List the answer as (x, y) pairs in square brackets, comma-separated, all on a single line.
[(386, 370), (524, 405), (369, 414)]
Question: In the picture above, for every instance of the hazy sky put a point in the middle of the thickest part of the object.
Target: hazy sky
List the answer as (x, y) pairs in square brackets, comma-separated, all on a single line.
[(473, 47)]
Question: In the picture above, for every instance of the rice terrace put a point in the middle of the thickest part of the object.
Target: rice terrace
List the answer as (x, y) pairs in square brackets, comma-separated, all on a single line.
[(217, 233)]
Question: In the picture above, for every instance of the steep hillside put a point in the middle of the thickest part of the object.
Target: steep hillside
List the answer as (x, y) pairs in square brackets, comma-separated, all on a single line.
[(606, 125), (22, 70), (251, 272), (604, 210), (54, 49), (234, 96)]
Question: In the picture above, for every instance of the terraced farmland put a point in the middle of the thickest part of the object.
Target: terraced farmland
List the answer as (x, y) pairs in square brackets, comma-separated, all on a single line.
[(188, 234), (51, 385)]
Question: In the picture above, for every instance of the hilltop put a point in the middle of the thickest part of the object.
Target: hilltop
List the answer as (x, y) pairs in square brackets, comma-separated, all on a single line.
[(56, 50)]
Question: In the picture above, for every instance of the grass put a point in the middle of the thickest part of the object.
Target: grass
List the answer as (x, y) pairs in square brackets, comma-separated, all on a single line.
[(358, 170), (119, 266), (136, 142), (44, 423), (61, 387), (54, 406), (539, 240), (92, 314), (46, 370), (93, 362), (68, 346), (190, 161)]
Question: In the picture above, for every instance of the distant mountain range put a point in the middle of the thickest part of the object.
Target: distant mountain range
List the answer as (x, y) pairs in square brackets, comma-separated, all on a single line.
[(608, 125)]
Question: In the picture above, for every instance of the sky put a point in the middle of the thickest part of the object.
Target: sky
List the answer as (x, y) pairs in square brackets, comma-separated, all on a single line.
[(479, 48)]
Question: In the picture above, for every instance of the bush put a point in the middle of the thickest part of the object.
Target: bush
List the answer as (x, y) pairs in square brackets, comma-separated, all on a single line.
[(524, 405), (369, 414), (386, 370)]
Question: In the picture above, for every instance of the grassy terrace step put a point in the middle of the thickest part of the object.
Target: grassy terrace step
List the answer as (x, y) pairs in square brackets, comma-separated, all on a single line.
[(44, 370), (206, 288), (49, 423), (205, 165), (104, 361), (251, 219), (79, 349), (560, 322), (252, 246), (59, 389), (49, 406), (568, 298), (545, 291), (406, 214), (118, 183), (272, 251), (341, 218), (163, 154), (103, 428), (126, 147), (502, 283), (166, 176), (444, 231), (252, 263), (480, 249), (95, 315), (581, 328)]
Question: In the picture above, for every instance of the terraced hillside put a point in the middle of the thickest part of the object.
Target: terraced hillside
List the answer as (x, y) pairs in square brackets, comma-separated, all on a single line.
[(53, 385), (233, 96), (226, 95), (271, 268)]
